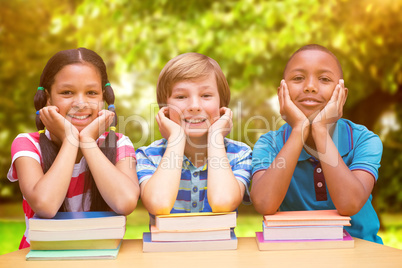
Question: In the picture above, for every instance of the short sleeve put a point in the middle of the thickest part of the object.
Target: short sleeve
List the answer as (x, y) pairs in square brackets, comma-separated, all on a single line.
[(242, 166), (265, 150), (145, 167), (23, 145), (367, 154), (125, 148)]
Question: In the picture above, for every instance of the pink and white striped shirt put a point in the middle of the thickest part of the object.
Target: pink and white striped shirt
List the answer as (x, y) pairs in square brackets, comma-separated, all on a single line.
[(27, 144)]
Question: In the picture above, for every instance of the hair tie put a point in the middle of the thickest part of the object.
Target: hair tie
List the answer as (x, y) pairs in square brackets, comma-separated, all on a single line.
[(113, 128), (107, 84), (37, 112), (41, 88), (41, 131), (110, 106)]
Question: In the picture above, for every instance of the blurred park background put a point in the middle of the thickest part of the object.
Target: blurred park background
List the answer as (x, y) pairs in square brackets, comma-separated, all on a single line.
[(250, 39)]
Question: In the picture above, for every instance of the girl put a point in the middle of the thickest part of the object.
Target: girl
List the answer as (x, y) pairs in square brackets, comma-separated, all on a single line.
[(70, 164)]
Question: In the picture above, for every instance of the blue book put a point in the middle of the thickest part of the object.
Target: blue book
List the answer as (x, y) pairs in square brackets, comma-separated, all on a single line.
[(176, 246), (87, 254), (78, 221)]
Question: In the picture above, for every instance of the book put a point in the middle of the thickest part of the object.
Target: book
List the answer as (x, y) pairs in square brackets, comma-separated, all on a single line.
[(190, 235), (87, 254), (94, 234), (75, 244), (346, 242), (307, 217), (196, 221), (302, 232), (154, 246), (78, 221)]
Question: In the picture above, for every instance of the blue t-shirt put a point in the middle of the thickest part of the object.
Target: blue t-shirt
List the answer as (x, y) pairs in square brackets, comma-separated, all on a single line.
[(192, 195), (359, 148)]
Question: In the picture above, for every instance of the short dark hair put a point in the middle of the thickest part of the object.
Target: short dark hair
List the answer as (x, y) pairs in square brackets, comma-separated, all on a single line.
[(315, 47)]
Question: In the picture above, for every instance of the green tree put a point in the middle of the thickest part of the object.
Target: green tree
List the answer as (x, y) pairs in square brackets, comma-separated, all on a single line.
[(250, 39), (27, 40)]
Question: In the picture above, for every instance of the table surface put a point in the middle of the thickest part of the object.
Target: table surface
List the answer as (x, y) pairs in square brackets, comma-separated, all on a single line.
[(364, 254)]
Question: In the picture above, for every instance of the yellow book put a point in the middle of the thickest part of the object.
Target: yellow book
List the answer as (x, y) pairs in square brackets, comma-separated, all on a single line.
[(195, 221), (76, 244)]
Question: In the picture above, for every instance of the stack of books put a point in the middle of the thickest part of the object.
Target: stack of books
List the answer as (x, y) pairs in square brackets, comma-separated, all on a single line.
[(316, 229), (76, 235), (191, 232)]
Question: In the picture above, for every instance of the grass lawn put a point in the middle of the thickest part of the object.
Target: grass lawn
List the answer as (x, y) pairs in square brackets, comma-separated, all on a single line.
[(12, 226)]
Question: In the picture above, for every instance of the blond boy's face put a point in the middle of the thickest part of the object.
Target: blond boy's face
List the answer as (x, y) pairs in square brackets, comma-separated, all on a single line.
[(194, 105), (312, 76)]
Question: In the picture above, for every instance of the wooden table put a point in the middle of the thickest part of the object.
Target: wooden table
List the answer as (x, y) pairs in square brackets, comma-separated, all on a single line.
[(364, 254)]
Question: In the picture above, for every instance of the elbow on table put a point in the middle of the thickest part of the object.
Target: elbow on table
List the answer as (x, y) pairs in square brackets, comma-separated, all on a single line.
[(45, 209), (157, 206), (263, 207), (223, 204), (349, 208), (160, 211), (126, 206)]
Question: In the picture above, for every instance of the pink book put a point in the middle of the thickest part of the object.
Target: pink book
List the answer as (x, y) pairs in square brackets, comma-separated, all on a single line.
[(307, 217)]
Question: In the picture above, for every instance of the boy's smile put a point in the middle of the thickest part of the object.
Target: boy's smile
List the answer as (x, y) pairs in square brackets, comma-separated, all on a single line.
[(311, 76), (194, 121), (77, 92), (194, 105)]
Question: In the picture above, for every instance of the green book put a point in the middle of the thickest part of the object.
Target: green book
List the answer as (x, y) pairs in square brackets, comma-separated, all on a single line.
[(85, 254)]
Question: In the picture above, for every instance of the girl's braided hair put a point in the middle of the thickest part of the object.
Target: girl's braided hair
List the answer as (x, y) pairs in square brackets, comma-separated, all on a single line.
[(50, 149)]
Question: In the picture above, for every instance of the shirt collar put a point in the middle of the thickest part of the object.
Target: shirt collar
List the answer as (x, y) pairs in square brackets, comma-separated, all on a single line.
[(189, 164), (342, 138)]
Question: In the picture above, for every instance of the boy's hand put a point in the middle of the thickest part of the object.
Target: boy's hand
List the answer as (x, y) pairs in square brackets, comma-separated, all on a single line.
[(289, 111), (98, 126), (169, 129), (333, 111), (223, 124), (58, 126)]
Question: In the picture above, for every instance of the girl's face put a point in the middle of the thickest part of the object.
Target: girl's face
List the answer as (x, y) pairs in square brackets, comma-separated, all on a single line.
[(194, 105), (312, 76), (77, 92)]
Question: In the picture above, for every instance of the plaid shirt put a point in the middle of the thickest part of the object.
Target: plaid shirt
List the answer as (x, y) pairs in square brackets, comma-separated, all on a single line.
[(192, 195)]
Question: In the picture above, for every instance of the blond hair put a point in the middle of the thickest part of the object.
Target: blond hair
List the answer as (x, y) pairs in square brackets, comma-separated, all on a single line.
[(190, 66)]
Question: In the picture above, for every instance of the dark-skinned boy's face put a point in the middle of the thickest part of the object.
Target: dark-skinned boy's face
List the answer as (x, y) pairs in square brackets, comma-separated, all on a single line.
[(311, 76)]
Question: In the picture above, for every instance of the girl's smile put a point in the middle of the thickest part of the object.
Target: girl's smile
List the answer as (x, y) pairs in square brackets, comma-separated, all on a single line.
[(77, 92)]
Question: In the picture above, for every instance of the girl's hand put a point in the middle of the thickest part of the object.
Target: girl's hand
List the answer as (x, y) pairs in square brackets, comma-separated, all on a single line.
[(169, 129), (223, 124), (97, 127), (289, 111), (59, 127), (333, 111)]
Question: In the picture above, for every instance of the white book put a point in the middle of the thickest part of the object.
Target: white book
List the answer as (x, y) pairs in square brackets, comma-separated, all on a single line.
[(106, 233), (190, 235), (211, 245), (302, 232)]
